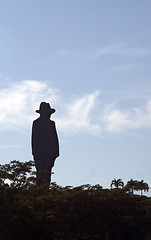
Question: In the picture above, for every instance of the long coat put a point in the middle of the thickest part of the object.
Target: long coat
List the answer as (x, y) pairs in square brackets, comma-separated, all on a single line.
[(45, 145)]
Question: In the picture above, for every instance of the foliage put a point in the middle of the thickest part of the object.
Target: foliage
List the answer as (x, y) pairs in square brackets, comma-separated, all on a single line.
[(117, 183), (28, 211), (136, 185), (141, 185), (17, 174)]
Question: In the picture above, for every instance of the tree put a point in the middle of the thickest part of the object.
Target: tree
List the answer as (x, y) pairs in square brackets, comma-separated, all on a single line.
[(141, 185), (132, 185), (17, 174), (137, 185), (117, 183), (31, 211)]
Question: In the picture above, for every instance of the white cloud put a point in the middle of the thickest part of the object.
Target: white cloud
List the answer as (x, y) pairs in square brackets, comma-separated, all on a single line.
[(117, 121), (19, 101), (78, 115)]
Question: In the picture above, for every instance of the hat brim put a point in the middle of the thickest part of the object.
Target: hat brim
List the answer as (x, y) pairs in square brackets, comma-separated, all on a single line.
[(52, 110)]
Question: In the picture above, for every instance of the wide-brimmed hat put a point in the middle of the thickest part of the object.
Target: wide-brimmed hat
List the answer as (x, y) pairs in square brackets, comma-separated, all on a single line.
[(45, 108)]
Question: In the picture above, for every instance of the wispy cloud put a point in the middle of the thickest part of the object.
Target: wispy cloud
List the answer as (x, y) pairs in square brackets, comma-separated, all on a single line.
[(19, 101), (122, 49), (108, 50), (78, 116), (117, 121)]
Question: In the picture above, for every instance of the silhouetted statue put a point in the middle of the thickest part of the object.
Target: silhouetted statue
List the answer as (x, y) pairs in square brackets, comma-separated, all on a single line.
[(45, 146)]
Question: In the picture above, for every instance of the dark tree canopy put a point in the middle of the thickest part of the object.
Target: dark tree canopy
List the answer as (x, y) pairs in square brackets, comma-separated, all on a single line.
[(39, 212)]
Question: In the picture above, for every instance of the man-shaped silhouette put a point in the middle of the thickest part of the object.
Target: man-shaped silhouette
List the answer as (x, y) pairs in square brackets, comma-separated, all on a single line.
[(45, 146)]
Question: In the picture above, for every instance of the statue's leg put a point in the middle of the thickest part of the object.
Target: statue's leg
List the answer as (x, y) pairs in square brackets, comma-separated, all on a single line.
[(49, 163), (39, 177), (40, 174), (43, 167), (48, 176), (43, 176)]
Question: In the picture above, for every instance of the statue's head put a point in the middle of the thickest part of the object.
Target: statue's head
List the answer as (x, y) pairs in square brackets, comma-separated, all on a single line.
[(45, 109)]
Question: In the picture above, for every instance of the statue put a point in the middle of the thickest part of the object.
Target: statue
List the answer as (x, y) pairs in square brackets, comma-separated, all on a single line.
[(45, 145)]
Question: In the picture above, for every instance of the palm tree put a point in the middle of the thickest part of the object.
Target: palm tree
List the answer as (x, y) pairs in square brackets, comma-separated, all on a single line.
[(141, 185), (117, 183), (132, 185)]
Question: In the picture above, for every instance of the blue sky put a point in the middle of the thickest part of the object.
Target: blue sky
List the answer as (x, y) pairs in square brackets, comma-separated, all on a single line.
[(92, 61)]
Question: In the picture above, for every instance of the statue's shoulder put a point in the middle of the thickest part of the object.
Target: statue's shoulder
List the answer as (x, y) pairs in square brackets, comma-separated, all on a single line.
[(36, 120), (52, 122)]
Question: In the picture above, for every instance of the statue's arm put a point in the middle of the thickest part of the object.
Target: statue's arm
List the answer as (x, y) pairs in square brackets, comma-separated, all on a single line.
[(33, 139), (56, 141)]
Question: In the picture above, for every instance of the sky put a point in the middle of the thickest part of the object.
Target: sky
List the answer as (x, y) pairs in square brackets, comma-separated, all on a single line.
[(91, 60)]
